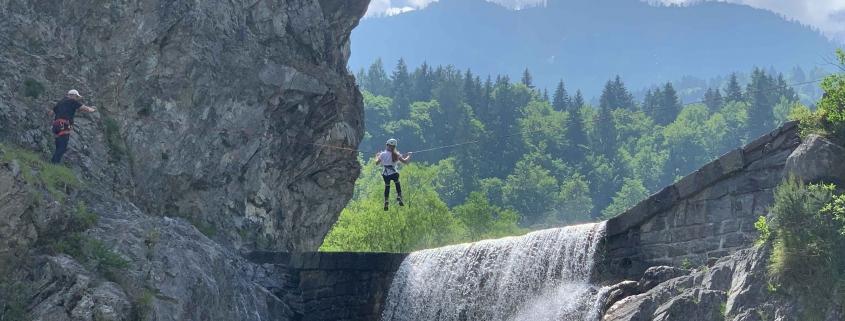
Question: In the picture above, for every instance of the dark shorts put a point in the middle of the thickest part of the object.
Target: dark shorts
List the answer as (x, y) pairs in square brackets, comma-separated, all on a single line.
[(392, 177)]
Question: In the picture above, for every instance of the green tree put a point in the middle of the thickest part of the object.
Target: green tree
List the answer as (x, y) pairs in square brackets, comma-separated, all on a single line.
[(561, 100), (401, 89), (424, 223), (631, 193), (713, 99), (669, 105), (574, 204), (484, 220), (527, 79), (733, 92), (376, 80), (530, 190)]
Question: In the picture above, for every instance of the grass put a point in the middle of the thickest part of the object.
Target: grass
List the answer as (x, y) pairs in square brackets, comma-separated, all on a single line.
[(56, 179)]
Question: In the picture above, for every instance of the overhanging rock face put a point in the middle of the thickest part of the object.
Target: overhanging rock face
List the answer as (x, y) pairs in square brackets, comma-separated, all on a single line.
[(208, 109), (706, 215)]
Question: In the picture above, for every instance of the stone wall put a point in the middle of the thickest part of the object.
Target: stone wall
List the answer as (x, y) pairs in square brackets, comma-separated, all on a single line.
[(708, 214), (329, 286)]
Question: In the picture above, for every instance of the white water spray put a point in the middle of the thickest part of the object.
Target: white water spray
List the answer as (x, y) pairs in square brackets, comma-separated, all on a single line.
[(541, 276)]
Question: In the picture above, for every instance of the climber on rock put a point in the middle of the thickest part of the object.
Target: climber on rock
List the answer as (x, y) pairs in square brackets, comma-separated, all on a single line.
[(389, 159), (63, 114)]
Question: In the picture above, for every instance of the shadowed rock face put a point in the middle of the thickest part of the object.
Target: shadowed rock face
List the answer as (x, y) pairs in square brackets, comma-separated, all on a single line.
[(206, 107), (202, 147)]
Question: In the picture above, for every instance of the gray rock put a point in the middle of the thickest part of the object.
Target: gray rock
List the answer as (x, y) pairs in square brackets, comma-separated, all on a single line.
[(817, 159), (734, 288), (67, 291), (211, 107), (659, 274)]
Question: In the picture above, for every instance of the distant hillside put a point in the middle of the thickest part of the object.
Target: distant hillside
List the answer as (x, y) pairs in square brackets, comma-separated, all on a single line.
[(586, 42)]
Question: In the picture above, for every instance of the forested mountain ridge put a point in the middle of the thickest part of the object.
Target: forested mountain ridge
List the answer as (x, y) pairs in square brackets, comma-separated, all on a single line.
[(588, 42)]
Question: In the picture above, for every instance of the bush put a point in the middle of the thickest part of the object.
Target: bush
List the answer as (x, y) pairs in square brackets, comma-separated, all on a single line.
[(807, 260), (32, 88), (117, 147), (829, 119)]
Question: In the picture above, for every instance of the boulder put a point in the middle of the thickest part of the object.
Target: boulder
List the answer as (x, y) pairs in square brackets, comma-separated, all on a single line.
[(817, 159), (659, 274)]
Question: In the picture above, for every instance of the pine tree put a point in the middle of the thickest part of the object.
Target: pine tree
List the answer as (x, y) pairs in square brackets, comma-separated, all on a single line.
[(560, 100), (546, 95), (651, 103), (761, 100), (377, 82), (361, 79), (576, 134), (401, 89), (669, 106), (472, 89), (713, 99), (733, 92), (605, 134), (616, 96), (423, 83), (527, 79), (577, 102)]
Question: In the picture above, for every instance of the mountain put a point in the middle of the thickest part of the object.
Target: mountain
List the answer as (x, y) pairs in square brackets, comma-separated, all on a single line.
[(586, 42)]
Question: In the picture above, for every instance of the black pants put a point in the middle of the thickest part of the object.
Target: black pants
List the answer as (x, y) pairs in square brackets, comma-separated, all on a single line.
[(61, 148), (395, 178)]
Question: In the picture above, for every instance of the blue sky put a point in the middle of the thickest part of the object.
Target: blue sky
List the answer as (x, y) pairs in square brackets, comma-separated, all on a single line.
[(826, 15)]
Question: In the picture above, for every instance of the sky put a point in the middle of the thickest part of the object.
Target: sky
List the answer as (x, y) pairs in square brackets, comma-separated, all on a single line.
[(826, 15)]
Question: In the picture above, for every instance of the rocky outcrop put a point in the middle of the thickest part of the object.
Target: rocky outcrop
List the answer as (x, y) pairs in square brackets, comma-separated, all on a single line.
[(734, 288), (203, 148), (208, 109), (817, 159)]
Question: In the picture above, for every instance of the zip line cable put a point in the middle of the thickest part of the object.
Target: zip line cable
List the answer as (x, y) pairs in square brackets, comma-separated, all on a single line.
[(534, 131)]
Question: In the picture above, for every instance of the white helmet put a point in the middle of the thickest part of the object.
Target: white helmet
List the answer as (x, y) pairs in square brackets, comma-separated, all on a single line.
[(392, 142)]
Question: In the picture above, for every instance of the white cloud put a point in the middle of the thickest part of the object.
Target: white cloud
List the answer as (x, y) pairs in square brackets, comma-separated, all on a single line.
[(827, 15)]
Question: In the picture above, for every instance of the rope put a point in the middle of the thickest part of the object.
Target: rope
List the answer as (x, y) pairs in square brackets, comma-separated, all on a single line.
[(475, 141)]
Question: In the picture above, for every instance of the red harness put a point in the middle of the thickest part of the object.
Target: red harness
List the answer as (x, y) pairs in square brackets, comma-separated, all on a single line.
[(62, 127)]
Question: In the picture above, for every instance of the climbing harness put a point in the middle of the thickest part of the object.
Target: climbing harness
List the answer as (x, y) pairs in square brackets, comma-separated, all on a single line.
[(61, 127)]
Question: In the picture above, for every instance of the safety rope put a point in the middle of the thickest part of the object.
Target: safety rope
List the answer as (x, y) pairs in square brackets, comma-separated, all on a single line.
[(534, 131)]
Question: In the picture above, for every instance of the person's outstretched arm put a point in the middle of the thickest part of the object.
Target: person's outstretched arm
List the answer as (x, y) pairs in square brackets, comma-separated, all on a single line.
[(378, 159), (87, 109), (406, 159)]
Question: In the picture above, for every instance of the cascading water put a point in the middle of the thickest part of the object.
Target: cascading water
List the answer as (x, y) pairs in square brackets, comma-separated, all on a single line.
[(543, 275)]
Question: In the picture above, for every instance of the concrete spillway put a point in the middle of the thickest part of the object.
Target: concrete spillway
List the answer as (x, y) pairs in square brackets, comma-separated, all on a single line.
[(544, 275)]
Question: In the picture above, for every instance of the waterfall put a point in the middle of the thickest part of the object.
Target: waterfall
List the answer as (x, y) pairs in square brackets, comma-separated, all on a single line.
[(543, 275)]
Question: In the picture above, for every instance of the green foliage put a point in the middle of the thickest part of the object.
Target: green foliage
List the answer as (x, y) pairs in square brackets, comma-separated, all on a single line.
[(807, 259), (829, 119), (117, 148), (523, 150), (686, 264), (13, 300), (142, 305), (91, 252), (762, 227), (424, 222), (632, 192), (33, 88), (56, 179), (83, 219)]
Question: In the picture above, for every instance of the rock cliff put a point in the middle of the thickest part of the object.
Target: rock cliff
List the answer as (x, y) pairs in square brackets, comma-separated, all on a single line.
[(203, 148)]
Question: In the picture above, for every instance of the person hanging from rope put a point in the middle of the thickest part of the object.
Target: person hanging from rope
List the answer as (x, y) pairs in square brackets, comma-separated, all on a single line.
[(389, 159), (62, 125)]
